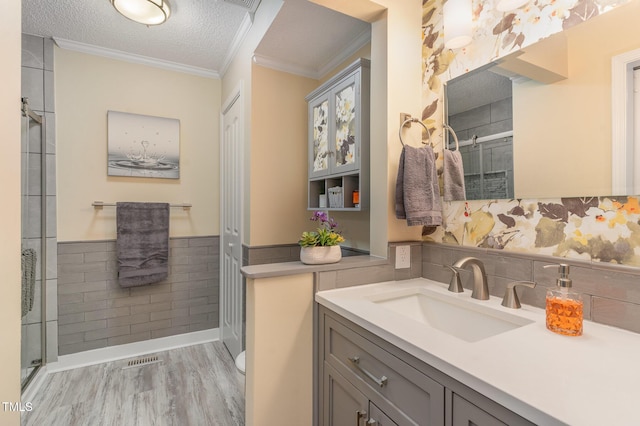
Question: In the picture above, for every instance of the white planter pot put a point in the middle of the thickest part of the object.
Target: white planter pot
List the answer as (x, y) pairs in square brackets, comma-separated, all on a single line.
[(320, 255)]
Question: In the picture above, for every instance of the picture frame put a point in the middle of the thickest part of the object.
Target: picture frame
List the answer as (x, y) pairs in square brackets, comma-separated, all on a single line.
[(142, 146)]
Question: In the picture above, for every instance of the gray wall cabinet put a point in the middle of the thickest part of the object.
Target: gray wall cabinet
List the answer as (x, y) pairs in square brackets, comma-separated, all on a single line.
[(364, 380), (339, 138)]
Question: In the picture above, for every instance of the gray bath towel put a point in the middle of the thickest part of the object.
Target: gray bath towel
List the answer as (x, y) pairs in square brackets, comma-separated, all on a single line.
[(142, 243), (29, 260), (417, 189), (453, 176)]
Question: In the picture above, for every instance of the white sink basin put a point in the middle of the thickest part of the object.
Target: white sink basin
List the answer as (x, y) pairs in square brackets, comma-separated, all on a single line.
[(453, 315)]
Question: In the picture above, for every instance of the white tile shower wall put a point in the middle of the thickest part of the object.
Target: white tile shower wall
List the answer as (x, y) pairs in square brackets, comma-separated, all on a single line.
[(95, 312), (37, 85)]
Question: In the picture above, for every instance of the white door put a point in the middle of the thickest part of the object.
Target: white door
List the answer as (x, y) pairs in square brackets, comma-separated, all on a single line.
[(231, 224)]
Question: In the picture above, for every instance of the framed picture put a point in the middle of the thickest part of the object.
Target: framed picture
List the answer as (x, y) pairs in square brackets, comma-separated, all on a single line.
[(143, 146)]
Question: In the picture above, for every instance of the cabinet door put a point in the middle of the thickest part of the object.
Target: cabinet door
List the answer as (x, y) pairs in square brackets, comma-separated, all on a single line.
[(343, 404), (407, 395), (319, 149), (346, 134), (378, 418), (466, 414)]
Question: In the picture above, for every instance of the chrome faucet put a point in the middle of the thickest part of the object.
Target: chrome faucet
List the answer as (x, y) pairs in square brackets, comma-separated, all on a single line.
[(480, 286)]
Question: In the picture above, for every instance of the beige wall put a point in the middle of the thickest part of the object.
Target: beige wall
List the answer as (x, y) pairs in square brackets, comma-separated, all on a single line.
[(395, 88), (404, 82), (574, 149), (278, 156), (396, 81), (279, 160), (279, 363), (10, 41), (86, 88)]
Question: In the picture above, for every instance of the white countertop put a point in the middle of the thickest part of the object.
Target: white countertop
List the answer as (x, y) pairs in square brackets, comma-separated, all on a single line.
[(593, 379)]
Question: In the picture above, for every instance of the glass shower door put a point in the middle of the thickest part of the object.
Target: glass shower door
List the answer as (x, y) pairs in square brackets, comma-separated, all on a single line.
[(33, 178)]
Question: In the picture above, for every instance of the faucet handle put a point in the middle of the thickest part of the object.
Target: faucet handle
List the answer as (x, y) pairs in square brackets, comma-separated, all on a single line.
[(510, 299), (455, 286)]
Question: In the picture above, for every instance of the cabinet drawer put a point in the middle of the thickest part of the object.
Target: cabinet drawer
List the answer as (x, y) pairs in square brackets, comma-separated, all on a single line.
[(393, 384), (465, 413)]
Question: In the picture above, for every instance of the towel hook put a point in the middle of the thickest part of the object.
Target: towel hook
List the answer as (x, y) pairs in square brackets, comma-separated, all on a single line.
[(414, 120), (455, 137)]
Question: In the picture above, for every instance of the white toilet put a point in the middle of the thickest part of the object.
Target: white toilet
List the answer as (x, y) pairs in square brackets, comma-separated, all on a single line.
[(240, 362)]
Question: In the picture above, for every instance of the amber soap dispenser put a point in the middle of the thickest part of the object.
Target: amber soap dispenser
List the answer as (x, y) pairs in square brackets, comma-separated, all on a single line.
[(564, 307)]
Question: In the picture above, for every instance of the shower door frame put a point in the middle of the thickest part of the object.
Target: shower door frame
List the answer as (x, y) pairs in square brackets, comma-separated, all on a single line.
[(40, 119)]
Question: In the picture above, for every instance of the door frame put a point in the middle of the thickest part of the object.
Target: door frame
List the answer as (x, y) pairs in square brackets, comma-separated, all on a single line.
[(236, 96), (623, 149)]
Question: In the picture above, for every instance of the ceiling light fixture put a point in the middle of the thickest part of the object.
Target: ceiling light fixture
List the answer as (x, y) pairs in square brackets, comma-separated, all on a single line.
[(147, 12), (456, 17), (507, 5)]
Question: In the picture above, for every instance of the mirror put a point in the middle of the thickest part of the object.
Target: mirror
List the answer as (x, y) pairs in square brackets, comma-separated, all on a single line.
[(561, 107), (479, 109)]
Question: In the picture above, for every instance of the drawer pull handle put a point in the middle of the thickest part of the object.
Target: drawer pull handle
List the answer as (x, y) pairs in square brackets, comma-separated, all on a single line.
[(382, 381)]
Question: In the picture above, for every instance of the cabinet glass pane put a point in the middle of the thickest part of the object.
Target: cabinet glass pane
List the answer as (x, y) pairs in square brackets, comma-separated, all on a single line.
[(320, 136), (345, 126)]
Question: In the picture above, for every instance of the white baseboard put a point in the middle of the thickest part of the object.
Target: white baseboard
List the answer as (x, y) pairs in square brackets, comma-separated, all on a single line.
[(114, 353)]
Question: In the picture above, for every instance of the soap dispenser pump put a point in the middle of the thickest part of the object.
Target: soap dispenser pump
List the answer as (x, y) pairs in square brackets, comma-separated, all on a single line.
[(564, 307)]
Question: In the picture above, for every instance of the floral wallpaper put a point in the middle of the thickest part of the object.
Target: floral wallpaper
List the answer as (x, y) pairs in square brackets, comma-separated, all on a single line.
[(345, 125), (320, 136), (604, 229)]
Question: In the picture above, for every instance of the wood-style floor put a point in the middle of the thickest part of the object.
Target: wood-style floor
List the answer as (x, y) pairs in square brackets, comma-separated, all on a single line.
[(195, 385)]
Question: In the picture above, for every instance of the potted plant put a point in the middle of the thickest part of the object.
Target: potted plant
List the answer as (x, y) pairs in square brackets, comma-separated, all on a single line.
[(323, 244)]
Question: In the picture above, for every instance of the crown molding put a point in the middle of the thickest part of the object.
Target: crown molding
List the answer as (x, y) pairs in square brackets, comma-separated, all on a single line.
[(238, 38), (133, 58), (288, 67), (317, 74), (357, 44)]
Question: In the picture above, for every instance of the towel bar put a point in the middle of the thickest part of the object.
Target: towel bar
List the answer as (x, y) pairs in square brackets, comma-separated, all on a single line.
[(408, 120), (455, 137), (98, 205)]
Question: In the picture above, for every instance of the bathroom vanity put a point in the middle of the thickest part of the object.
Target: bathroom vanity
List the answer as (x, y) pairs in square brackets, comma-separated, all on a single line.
[(411, 353), (366, 380)]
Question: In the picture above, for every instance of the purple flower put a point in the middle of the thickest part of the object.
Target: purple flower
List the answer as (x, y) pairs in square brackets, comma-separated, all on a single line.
[(319, 216)]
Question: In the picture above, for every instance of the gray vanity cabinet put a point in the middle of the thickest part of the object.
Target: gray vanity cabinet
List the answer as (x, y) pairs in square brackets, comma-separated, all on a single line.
[(394, 392), (339, 138), (344, 404), (377, 417), (364, 380), (465, 413)]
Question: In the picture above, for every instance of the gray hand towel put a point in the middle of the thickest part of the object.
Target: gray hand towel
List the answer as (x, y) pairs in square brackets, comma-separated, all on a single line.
[(453, 176), (417, 189), (142, 243)]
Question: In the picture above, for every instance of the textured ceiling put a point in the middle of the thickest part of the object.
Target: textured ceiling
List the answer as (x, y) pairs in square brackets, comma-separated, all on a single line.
[(199, 33)]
